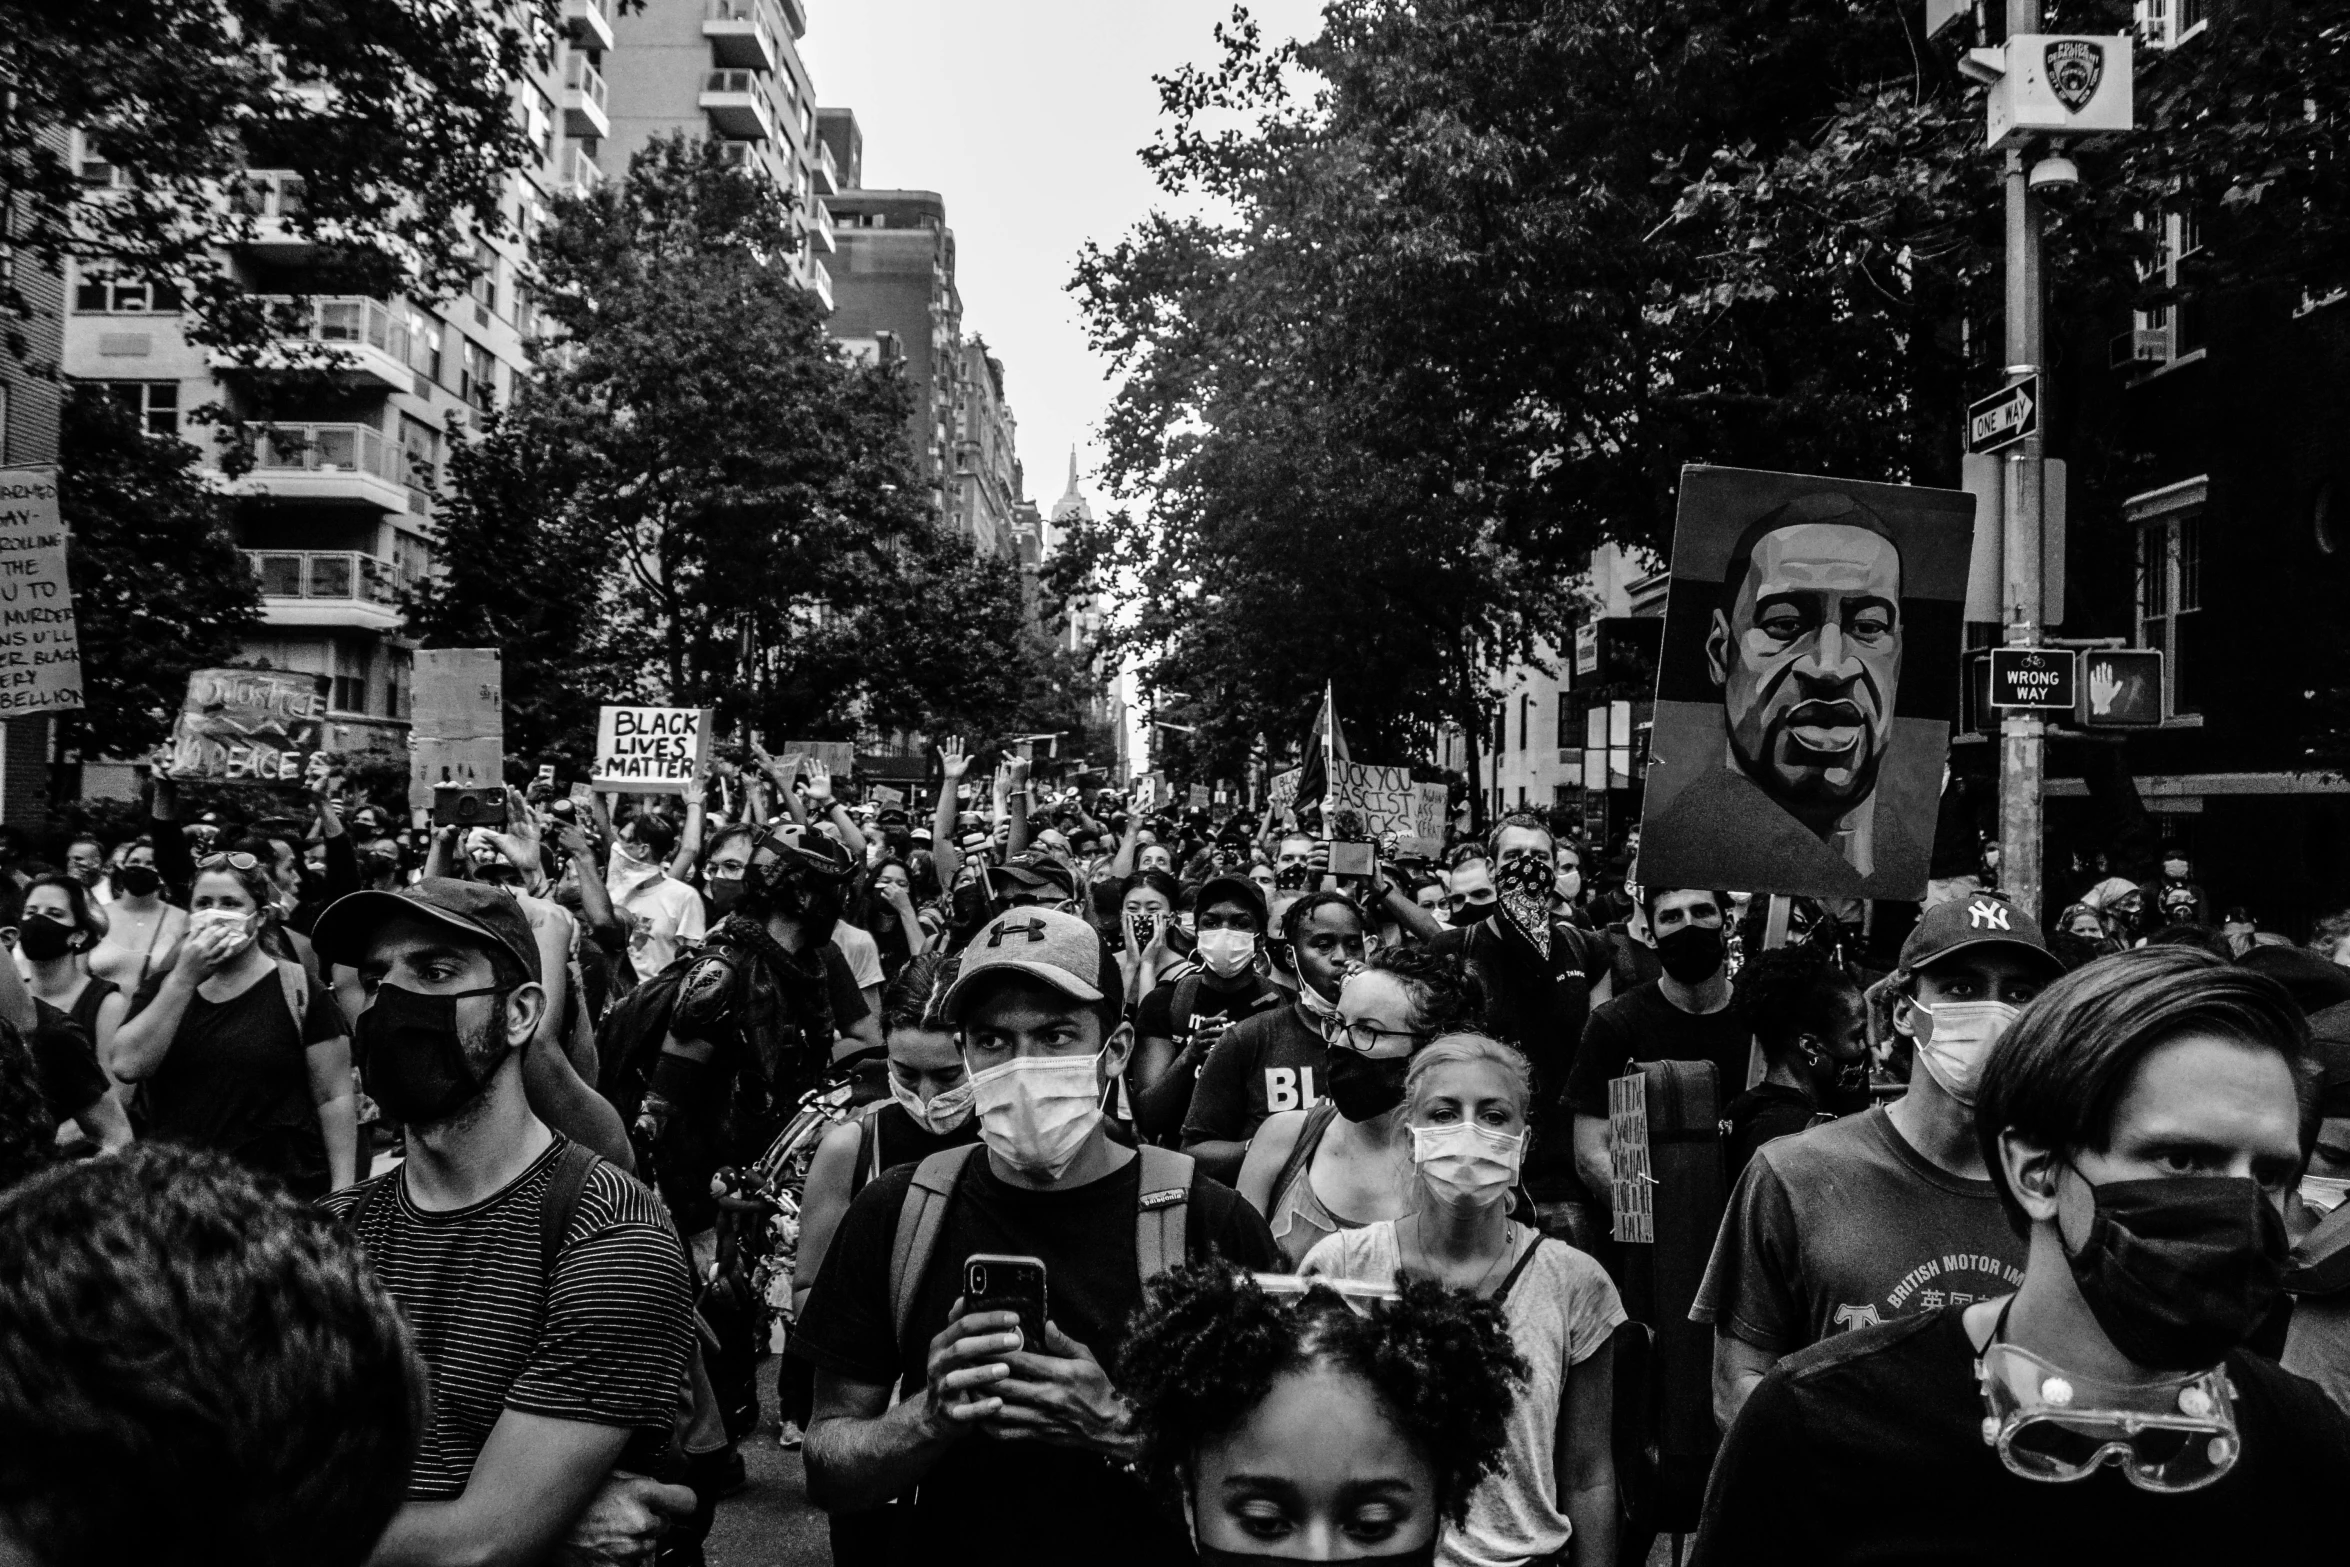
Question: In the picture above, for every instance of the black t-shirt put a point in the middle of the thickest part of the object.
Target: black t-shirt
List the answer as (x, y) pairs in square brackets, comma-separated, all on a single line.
[(986, 1497), (1869, 1448), (65, 1063), (1642, 1025), (1765, 1111), (1214, 1003), (1273, 1061), (237, 1078), (1540, 1005)]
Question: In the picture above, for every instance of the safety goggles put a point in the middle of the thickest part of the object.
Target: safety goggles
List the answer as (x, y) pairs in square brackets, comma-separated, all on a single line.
[(2178, 1434)]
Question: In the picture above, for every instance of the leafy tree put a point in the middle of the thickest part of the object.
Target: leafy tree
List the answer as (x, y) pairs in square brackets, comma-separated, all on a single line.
[(397, 117), (159, 588)]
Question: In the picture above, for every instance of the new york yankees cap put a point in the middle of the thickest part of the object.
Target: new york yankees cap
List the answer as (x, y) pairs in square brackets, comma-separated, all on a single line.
[(1058, 949), (1981, 919)]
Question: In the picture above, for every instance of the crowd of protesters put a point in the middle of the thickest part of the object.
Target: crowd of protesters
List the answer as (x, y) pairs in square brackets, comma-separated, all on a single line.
[(1123, 1183)]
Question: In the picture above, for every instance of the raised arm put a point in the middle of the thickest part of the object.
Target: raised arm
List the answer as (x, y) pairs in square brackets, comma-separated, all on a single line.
[(946, 817)]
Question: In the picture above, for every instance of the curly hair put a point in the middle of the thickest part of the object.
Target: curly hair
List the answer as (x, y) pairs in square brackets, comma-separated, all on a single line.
[(1447, 991), (1783, 993), (27, 1128), (1209, 1343)]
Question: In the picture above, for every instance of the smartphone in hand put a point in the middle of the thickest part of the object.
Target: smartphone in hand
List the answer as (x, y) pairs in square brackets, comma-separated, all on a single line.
[(994, 1282)]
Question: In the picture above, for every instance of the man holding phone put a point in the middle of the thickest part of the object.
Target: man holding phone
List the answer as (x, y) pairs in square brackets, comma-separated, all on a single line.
[(1009, 1447)]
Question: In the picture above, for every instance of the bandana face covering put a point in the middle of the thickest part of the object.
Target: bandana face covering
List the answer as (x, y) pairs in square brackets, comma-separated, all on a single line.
[(1525, 884)]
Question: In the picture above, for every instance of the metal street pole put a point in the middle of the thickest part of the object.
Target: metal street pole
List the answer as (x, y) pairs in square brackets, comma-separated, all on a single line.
[(2022, 735)]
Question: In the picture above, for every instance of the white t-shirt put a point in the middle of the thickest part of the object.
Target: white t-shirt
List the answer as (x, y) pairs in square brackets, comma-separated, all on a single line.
[(661, 913), (1561, 1309), (863, 953)]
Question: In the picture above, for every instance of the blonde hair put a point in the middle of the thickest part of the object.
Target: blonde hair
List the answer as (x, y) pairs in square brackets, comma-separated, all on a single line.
[(1446, 1049)]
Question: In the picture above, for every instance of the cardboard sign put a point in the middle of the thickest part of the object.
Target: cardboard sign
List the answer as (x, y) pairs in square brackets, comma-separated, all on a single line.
[(1783, 759), (888, 798), (1197, 798), (1631, 1182), (250, 726), (838, 758), (457, 720), (40, 649), (1391, 807), (652, 750), (1281, 796)]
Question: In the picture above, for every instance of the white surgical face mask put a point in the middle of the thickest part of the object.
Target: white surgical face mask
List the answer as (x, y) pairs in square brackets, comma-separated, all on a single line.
[(1954, 1038), (942, 1112), (1035, 1112), (1466, 1164), (1227, 952), (233, 923)]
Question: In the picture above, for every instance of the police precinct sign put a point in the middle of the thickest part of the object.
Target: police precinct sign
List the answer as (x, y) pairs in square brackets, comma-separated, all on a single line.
[(651, 750), (2040, 678)]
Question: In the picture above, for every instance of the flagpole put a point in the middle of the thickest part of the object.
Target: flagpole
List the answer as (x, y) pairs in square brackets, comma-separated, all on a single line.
[(1329, 761)]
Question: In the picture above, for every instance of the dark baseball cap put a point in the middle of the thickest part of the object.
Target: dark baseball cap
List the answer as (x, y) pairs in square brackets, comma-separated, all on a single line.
[(1045, 944), (1980, 919), (485, 913), (1234, 889)]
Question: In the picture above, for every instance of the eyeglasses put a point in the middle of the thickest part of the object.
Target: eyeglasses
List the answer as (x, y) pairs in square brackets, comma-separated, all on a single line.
[(1368, 1039), (2178, 1434), (233, 861)]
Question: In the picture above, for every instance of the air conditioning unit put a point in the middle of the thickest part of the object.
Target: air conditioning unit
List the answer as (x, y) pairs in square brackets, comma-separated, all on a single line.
[(2141, 346)]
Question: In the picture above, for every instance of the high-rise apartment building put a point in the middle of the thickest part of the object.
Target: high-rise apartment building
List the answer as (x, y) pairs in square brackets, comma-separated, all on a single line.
[(987, 482), (727, 71), (336, 511), (894, 283)]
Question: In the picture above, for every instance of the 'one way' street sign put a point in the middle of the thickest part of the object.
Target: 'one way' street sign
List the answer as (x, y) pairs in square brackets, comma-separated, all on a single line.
[(2005, 417)]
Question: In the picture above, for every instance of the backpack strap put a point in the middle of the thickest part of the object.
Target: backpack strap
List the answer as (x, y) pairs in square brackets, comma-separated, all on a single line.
[(1319, 1115), (919, 1222), (1160, 1209), (1186, 997), (869, 1139), (294, 980), (560, 1201)]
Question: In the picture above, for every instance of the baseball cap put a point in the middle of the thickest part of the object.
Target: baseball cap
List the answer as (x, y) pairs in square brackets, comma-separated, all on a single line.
[(1981, 919), (1032, 872), (1234, 889), (1058, 949), (486, 913)]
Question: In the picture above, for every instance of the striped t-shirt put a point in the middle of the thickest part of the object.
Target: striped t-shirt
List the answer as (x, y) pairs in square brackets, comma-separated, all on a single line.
[(606, 1344)]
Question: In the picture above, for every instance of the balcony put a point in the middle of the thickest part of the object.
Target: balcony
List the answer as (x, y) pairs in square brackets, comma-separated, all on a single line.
[(327, 588), (355, 339), (576, 173), (739, 35), (820, 283), (749, 157), (819, 223), (583, 99), (825, 170), (738, 105), (272, 198), (795, 16), (327, 464), (589, 22)]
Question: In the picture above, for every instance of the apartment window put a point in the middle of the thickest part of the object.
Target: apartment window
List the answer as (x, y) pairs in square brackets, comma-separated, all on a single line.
[(479, 386), (1566, 720), (2172, 330), (350, 680), (420, 453), (484, 287), (1525, 725), (424, 345), (1501, 732), (2166, 24), (2170, 585), (154, 404), (538, 122), (121, 297)]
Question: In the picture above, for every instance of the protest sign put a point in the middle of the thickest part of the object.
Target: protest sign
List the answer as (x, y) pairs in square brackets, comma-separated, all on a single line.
[(838, 758), (652, 750), (1281, 796), (249, 726), (457, 720), (888, 798), (1386, 802), (1150, 792), (1197, 798), (40, 650), (1785, 760), (1631, 1183)]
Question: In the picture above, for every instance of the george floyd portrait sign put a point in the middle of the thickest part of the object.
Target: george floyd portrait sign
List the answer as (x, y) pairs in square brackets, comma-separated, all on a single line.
[(1807, 685)]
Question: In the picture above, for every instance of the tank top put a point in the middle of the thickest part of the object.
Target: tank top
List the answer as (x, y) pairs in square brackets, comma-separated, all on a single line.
[(84, 1010), (888, 1135), (1299, 1218)]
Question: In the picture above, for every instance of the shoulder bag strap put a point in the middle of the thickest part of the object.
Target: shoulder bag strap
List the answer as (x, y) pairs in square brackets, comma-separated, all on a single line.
[(1301, 1152), (1160, 1209), (295, 982), (560, 1201), (919, 1222), (1503, 1294)]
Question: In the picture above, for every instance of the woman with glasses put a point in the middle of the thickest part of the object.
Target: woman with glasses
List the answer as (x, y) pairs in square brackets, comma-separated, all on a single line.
[(236, 1047), (1465, 1098), (1346, 1161), (1297, 1427)]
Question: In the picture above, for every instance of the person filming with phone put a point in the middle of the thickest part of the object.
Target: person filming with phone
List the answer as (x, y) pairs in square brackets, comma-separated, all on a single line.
[(1003, 1445)]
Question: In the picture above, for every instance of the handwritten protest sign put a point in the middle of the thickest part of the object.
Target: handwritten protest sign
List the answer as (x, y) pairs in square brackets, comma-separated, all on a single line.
[(1631, 1182), (457, 724), (1386, 801), (249, 725), (838, 758), (652, 750), (1197, 797), (40, 652), (1281, 795), (887, 798)]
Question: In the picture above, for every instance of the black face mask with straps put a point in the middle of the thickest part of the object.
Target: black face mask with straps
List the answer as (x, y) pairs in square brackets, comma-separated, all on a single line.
[(412, 1057)]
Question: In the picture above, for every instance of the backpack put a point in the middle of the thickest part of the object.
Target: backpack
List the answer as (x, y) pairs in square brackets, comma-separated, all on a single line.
[(632, 1031), (1160, 1209)]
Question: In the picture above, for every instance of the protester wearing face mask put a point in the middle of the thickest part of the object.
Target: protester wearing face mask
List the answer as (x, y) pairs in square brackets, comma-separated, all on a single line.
[(1020, 1445), (929, 1108), (1277, 1059), (57, 929), (1151, 945), (141, 927), (1347, 1161), (1179, 1022), (1829, 1230), (1566, 885), (66, 1009), (1807, 1015), (663, 915), (240, 1051), (2143, 1122), (1466, 1097), (1542, 976), (1297, 1426), (555, 1377), (1683, 1015)]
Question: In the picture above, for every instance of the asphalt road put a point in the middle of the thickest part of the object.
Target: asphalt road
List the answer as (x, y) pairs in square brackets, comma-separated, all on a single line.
[(769, 1522)]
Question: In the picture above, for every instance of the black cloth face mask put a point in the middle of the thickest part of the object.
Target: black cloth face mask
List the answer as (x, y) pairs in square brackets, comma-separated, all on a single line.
[(1692, 953), (1361, 1088), (43, 939), (412, 1059), (1470, 913), (2179, 1270), (138, 881)]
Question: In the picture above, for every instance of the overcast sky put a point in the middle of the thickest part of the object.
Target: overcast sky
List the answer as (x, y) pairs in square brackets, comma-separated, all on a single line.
[(1026, 115)]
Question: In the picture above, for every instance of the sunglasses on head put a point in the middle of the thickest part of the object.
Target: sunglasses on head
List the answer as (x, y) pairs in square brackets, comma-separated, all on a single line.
[(235, 861)]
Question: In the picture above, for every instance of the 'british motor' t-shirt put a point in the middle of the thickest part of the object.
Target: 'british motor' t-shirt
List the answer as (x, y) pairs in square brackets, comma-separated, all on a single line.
[(1846, 1226), (1017, 1500), (603, 1341), (1273, 1061)]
